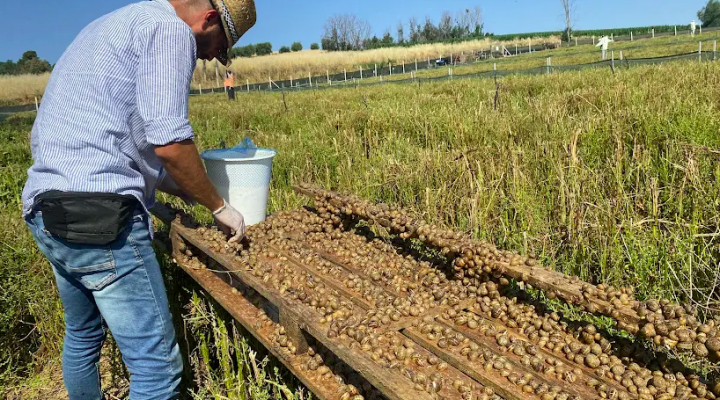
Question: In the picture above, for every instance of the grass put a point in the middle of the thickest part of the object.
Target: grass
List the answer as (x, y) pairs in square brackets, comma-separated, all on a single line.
[(21, 89), (612, 177), (300, 64)]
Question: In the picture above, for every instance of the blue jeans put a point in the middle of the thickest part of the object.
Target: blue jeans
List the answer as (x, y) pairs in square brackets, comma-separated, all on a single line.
[(122, 284)]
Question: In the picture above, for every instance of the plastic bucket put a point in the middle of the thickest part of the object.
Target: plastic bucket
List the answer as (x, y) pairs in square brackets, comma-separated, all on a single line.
[(242, 177)]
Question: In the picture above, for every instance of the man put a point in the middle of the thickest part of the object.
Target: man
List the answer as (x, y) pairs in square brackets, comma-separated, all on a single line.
[(230, 84), (604, 42), (113, 127)]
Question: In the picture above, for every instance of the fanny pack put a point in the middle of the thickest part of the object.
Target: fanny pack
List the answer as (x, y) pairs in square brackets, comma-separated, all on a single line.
[(86, 218)]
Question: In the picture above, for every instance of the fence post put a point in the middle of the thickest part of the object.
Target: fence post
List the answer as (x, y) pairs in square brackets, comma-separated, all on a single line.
[(450, 72), (452, 60), (416, 64), (291, 85), (593, 40), (247, 84), (516, 49), (621, 55), (270, 84), (375, 70), (700, 51), (549, 63), (201, 88), (37, 107), (361, 72), (494, 66), (403, 64), (576, 41), (327, 76), (653, 33), (529, 45), (675, 30), (390, 68), (631, 36), (310, 79), (345, 72)]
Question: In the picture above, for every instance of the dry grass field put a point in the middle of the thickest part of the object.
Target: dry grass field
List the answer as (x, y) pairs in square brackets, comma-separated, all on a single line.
[(21, 89)]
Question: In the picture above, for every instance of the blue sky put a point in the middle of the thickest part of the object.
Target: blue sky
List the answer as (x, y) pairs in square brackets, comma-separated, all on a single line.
[(48, 26)]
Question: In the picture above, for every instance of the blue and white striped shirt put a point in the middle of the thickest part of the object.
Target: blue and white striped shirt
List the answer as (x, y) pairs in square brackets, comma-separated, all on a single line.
[(118, 90)]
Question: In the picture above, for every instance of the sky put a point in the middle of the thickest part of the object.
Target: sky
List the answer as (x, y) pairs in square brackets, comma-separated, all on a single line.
[(49, 26)]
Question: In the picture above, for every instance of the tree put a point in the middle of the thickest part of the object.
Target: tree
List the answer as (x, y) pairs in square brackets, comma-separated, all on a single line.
[(414, 30), (297, 46), (314, 46), (345, 32), (429, 31), (475, 21), (387, 39), (569, 9), (263, 49), (31, 64), (710, 14), (8, 68), (445, 26), (284, 49), (400, 33)]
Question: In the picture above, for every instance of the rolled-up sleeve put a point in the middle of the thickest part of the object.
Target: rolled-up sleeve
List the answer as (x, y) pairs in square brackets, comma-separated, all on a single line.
[(167, 55)]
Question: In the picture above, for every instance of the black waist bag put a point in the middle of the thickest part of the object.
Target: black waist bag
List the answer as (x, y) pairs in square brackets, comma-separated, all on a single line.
[(86, 218)]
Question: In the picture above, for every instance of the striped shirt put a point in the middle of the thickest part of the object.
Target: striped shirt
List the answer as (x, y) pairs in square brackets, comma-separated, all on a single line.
[(119, 89)]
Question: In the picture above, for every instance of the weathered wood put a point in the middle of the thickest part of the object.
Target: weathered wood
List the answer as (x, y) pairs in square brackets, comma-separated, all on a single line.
[(590, 372), (245, 313), (393, 386), (293, 331), (540, 277)]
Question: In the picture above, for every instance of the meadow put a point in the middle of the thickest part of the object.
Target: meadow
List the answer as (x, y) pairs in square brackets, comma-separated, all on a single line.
[(611, 177)]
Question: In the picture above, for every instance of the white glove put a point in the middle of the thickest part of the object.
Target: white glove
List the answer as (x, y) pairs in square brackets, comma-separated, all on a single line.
[(167, 185), (231, 222)]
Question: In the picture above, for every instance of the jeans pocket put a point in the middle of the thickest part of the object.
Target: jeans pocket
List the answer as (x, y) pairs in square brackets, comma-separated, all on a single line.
[(91, 265)]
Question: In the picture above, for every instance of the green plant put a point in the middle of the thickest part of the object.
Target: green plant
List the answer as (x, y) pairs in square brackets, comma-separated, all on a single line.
[(297, 46), (284, 49), (314, 46)]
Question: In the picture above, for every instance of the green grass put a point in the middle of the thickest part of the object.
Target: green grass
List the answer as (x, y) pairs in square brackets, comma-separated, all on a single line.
[(610, 177)]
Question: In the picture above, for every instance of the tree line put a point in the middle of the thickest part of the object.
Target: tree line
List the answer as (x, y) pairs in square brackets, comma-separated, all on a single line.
[(29, 63), (348, 32)]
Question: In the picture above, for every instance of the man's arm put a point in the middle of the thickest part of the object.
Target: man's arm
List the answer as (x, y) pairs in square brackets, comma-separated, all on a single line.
[(182, 162)]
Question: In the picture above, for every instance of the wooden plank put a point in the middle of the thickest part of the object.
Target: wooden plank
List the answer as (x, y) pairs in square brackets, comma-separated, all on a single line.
[(490, 379), (539, 277), (589, 372), (246, 314), (492, 345), (393, 386)]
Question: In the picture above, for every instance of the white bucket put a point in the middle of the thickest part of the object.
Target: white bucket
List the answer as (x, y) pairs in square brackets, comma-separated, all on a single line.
[(242, 177)]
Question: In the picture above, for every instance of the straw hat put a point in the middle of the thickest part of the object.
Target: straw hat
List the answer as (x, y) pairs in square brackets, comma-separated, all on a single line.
[(237, 17)]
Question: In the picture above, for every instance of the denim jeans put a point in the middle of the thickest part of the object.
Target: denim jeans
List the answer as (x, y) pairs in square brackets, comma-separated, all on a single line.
[(120, 283)]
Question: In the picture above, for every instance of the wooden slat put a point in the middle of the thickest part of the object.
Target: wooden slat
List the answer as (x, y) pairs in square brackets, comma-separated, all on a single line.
[(245, 313), (539, 277), (393, 386)]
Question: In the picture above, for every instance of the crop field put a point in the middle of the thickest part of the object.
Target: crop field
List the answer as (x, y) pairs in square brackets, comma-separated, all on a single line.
[(609, 177)]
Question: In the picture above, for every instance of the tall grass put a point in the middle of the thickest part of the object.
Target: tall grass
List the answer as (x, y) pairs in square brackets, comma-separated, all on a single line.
[(21, 89), (300, 64)]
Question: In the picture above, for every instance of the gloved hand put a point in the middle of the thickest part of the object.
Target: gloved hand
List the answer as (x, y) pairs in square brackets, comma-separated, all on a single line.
[(167, 185), (231, 222)]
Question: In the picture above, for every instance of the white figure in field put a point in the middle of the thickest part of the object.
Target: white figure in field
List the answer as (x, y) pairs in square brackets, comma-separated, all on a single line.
[(603, 44), (693, 27)]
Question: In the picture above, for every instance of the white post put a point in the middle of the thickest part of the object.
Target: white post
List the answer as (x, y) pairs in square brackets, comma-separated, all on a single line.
[(361, 72), (593, 39), (631, 36), (416, 64), (247, 83), (201, 88), (612, 36), (549, 63), (516, 49), (675, 30), (270, 84), (37, 107), (494, 66), (345, 72), (529, 45), (451, 59), (700, 51), (653, 33), (403, 64), (225, 88), (450, 72), (576, 41), (310, 79), (327, 76), (428, 62), (375, 70), (390, 67), (621, 55), (291, 81)]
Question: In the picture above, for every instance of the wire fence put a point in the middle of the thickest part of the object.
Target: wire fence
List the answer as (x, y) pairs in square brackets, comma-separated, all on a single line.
[(389, 73)]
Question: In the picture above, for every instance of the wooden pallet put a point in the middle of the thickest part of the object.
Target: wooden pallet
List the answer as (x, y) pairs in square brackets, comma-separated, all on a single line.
[(243, 295)]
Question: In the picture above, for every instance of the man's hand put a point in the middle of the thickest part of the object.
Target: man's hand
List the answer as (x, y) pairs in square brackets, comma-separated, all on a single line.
[(230, 221)]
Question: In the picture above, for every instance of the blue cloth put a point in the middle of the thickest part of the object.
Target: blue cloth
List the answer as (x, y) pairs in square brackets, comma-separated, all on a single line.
[(122, 284), (119, 89)]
